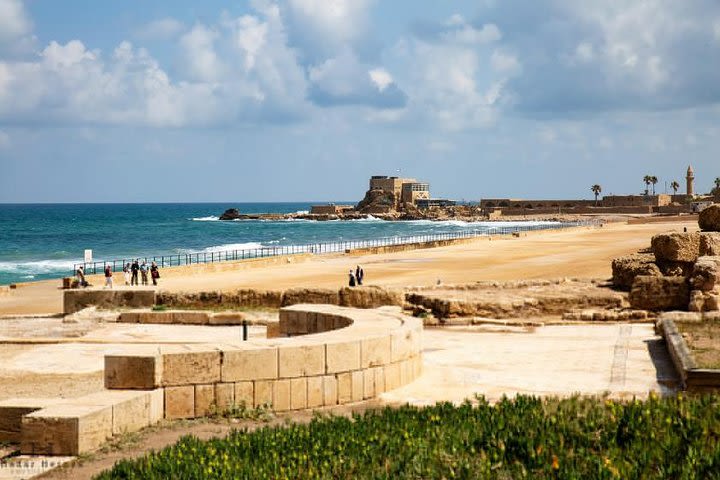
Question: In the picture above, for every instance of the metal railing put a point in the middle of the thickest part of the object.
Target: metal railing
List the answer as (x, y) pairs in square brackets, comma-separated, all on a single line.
[(314, 248)]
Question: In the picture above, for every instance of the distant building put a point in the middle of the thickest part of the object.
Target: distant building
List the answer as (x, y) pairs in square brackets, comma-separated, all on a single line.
[(330, 209), (690, 181), (434, 202), (404, 190)]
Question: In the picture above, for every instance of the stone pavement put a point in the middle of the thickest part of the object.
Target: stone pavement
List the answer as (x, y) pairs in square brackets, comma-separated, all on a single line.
[(624, 360)]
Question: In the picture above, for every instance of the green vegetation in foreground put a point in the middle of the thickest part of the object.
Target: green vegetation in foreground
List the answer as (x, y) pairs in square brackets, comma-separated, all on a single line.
[(526, 437)]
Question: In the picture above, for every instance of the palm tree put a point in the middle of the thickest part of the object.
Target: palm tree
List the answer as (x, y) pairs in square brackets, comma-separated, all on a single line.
[(717, 183), (675, 185), (647, 179), (596, 189), (653, 180)]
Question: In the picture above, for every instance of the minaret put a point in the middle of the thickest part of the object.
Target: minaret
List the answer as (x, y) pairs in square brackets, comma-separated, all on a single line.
[(690, 180)]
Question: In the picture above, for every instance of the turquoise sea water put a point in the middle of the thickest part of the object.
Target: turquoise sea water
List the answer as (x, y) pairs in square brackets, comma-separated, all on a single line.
[(44, 241)]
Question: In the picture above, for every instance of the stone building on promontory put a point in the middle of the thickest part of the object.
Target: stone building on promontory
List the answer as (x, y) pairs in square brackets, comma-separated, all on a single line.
[(387, 194)]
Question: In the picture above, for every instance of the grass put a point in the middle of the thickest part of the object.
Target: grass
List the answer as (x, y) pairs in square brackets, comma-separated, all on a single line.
[(524, 437)]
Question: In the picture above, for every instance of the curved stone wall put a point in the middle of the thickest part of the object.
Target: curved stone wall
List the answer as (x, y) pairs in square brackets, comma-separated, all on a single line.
[(330, 355)]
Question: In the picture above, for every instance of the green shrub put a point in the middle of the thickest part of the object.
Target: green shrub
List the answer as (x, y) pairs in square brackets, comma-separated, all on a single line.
[(526, 437)]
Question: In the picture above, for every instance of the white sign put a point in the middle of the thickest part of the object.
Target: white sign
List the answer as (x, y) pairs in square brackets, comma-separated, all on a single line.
[(88, 256)]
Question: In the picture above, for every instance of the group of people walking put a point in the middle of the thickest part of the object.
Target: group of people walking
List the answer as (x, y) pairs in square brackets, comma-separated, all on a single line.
[(356, 277), (131, 271)]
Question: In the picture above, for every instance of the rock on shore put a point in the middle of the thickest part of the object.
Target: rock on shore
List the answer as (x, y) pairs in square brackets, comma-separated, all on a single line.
[(709, 219)]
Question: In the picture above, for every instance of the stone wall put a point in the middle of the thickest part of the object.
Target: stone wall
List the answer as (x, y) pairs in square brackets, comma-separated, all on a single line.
[(76, 300), (353, 355)]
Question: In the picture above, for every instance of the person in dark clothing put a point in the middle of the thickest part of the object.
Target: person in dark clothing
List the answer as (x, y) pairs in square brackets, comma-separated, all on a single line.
[(144, 273), (359, 275), (108, 277), (154, 273), (352, 279), (134, 268)]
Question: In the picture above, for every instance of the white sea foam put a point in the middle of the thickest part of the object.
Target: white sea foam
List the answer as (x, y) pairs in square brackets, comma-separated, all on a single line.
[(38, 267), (302, 212), (222, 248), (211, 218)]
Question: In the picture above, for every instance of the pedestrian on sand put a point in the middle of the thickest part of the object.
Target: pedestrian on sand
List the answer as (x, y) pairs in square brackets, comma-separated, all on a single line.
[(154, 273), (126, 273), (144, 272), (352, 278), (108, 276), (80, 274), (359, 275), (134, 269)]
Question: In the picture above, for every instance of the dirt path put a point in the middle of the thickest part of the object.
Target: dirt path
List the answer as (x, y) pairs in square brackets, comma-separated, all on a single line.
[(168, 433)]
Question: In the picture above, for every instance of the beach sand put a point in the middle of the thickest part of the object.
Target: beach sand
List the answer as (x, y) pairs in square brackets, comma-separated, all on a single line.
[(579, 252)]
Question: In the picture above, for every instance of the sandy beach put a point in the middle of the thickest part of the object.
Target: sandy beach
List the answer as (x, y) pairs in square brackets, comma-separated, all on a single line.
[(580, 252)]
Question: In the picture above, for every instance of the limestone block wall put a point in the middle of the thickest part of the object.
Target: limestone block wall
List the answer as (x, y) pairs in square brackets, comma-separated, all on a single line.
[(334, 355), (76, 300)]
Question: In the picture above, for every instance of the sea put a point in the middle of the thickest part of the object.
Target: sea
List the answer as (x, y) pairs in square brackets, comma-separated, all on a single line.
[(44, 241)]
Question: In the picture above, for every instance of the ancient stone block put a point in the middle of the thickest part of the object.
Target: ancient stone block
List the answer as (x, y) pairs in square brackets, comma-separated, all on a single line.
[(185, 366), (245, 394), (402, 342), (325, 296), (133, 371), (12, 411), (710, 243), (225, 396), (379, 374), (314, 391), (204, 400), (179, 402), (709, 219), (660, 293), (344, 387), (675, 269), (357, 385), (65, 429), (706, 273), (76, 300), (676, 247), (330, 390), (392, 376), (263, 393), (368, 383), (226, 318), (342, 356), (370, 297), (701, 301), (157, 405), (131, 409), (249, 363), (273, 330), (375, 351), (301, 360), (281, 395), (298, 393)]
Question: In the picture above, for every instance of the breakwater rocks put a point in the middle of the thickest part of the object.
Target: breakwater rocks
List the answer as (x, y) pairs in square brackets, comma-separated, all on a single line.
[(459, 213)]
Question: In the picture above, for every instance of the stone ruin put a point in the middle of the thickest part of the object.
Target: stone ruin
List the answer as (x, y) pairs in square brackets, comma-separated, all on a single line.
[(680, 271)]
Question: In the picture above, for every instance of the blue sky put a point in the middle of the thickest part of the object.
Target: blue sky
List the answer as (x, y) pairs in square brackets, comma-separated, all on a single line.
[(305, 99)]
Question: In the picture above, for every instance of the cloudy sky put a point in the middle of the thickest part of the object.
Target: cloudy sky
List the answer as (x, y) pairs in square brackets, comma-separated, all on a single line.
[(292, 100)]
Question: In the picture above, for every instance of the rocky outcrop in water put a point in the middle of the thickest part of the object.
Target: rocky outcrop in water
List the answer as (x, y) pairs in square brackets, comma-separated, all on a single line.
[(230, 214)]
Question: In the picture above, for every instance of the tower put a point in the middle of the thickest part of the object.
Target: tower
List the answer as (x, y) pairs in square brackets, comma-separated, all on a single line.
[(690, 180)]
